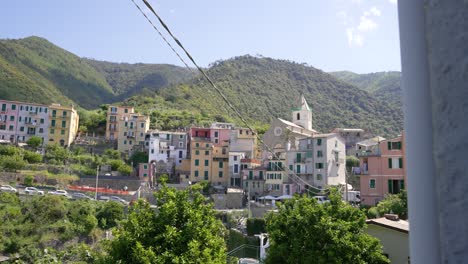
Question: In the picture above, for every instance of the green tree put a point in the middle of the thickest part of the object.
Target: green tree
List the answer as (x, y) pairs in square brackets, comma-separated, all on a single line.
[(12, 163), (112, 154), (125, 169), (395, 204), (304, 231), (34, 142), (56, 152), (110, 214), (32, 157), (352, 161), (183, 230), (138, 157)]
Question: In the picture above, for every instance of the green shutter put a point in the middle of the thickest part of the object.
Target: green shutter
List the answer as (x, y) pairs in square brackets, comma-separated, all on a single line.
[(298, 168), (400, 163), (399, 145), (390, 186), (291, 167), (298, 157), (220, 164), (371, 183), (250, 175), (389, 145), (402, 185), (389, 163), (206, 162)]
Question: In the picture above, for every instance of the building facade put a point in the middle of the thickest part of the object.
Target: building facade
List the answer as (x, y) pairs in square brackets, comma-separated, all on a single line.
[(114, 114), (131, 133), (382, 170), (33, 120), (63, 125)]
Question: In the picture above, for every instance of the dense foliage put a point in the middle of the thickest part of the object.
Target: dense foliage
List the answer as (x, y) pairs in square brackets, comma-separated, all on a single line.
[(392, 204), (255, 226), (383, 85), (183, 230), (304, 231), (33, 224)]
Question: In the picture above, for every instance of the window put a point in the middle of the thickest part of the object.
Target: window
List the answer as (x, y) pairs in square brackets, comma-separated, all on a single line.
[(394, 145), (319, 177), (207, 152), (395, 163), (197, 162), (291, 167), (400, 163), (11, 128), (181, 136), (220, 174), (126, 124), (125, 142), (21, 129), (197, 152), (197, 145), (372, 183), (319, 142), (216, 141), (236, 168), (130, 142), (143, 125), (64, 123), (180, 154), (298, 157), (260, 175), (216, 133), (45, 110), (62, 132), (145, 174), (145, 167), (240, 131), (206, 162), (42, 121), (13, 107), (298, 168), (41, 130), (3, 107), (207, 145), (220, 164), (196, 173), (53, 123), (250, 175), (12, 118), (64, 113), (52, 131), (19, 119), (152, 151), (298, 116), (181, 144), (54, 112), (126, 111), (319, 154), (319, 165), (235, 158), (2, 127), (206, 175)]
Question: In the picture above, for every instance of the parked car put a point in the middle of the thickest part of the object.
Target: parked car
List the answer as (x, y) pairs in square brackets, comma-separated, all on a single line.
[(7, 188), (321, 199), (60, 192), (81, 196), (119, 200), (103, 198), (33, 191)]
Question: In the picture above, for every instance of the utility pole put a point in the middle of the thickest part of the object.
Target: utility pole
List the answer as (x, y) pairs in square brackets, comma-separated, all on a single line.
[(97, 179)]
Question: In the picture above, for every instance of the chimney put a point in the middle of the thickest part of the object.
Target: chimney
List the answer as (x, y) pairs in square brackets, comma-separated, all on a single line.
[(393, 217)]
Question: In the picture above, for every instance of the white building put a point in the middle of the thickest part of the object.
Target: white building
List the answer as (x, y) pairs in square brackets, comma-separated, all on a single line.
[(33, 120), (166, 150), (235, 168)]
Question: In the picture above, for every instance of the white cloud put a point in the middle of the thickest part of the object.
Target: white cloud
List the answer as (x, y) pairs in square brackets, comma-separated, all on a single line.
[(375, 11), (393, 1), (354, 39), (366, 24)]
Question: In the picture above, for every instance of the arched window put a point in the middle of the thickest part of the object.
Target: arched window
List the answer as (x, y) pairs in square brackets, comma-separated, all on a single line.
[(298, 116)]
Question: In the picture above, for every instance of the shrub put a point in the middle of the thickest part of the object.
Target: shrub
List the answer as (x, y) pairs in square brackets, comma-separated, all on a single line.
[(28, 180), (255, 226), (32, 157)]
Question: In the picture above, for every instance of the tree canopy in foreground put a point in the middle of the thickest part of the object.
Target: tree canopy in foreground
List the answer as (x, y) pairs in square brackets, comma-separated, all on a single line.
[(304, 231), (183, 229)]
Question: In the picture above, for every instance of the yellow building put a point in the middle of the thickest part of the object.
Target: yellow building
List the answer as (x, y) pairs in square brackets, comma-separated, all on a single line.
[(209, 162), (63, 125), (131, 133), (114, 114)]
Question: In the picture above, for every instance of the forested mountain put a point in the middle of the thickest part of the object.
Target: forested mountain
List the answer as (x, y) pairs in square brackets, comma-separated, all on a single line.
[(35, 70), (383, 85), (264, 88), (130, 79)]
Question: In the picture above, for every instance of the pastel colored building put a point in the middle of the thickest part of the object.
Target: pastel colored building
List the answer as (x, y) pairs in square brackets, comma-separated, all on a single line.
[(114, 114), (63, 125), (382, 170), (33, 120), (131, 133), (8, 120)]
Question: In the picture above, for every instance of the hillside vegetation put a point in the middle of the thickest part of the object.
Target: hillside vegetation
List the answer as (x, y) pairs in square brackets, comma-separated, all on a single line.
[(263, 89), (35, 70), (383, 85)]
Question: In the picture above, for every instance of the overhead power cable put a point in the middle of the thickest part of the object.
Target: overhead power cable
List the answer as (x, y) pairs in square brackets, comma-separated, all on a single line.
[(162, 36), (296, 178)]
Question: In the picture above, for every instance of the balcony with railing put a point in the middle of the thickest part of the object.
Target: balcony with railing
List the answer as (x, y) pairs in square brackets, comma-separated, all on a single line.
[(369, 153)]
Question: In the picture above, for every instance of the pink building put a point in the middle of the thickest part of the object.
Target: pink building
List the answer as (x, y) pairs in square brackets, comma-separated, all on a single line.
[(382, 170), (8, 120)]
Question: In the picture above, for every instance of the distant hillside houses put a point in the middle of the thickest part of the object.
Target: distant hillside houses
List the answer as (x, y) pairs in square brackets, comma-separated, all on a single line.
[(291, 157)]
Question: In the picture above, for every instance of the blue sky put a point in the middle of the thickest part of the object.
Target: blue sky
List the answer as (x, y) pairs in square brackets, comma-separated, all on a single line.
[(355, 35)]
